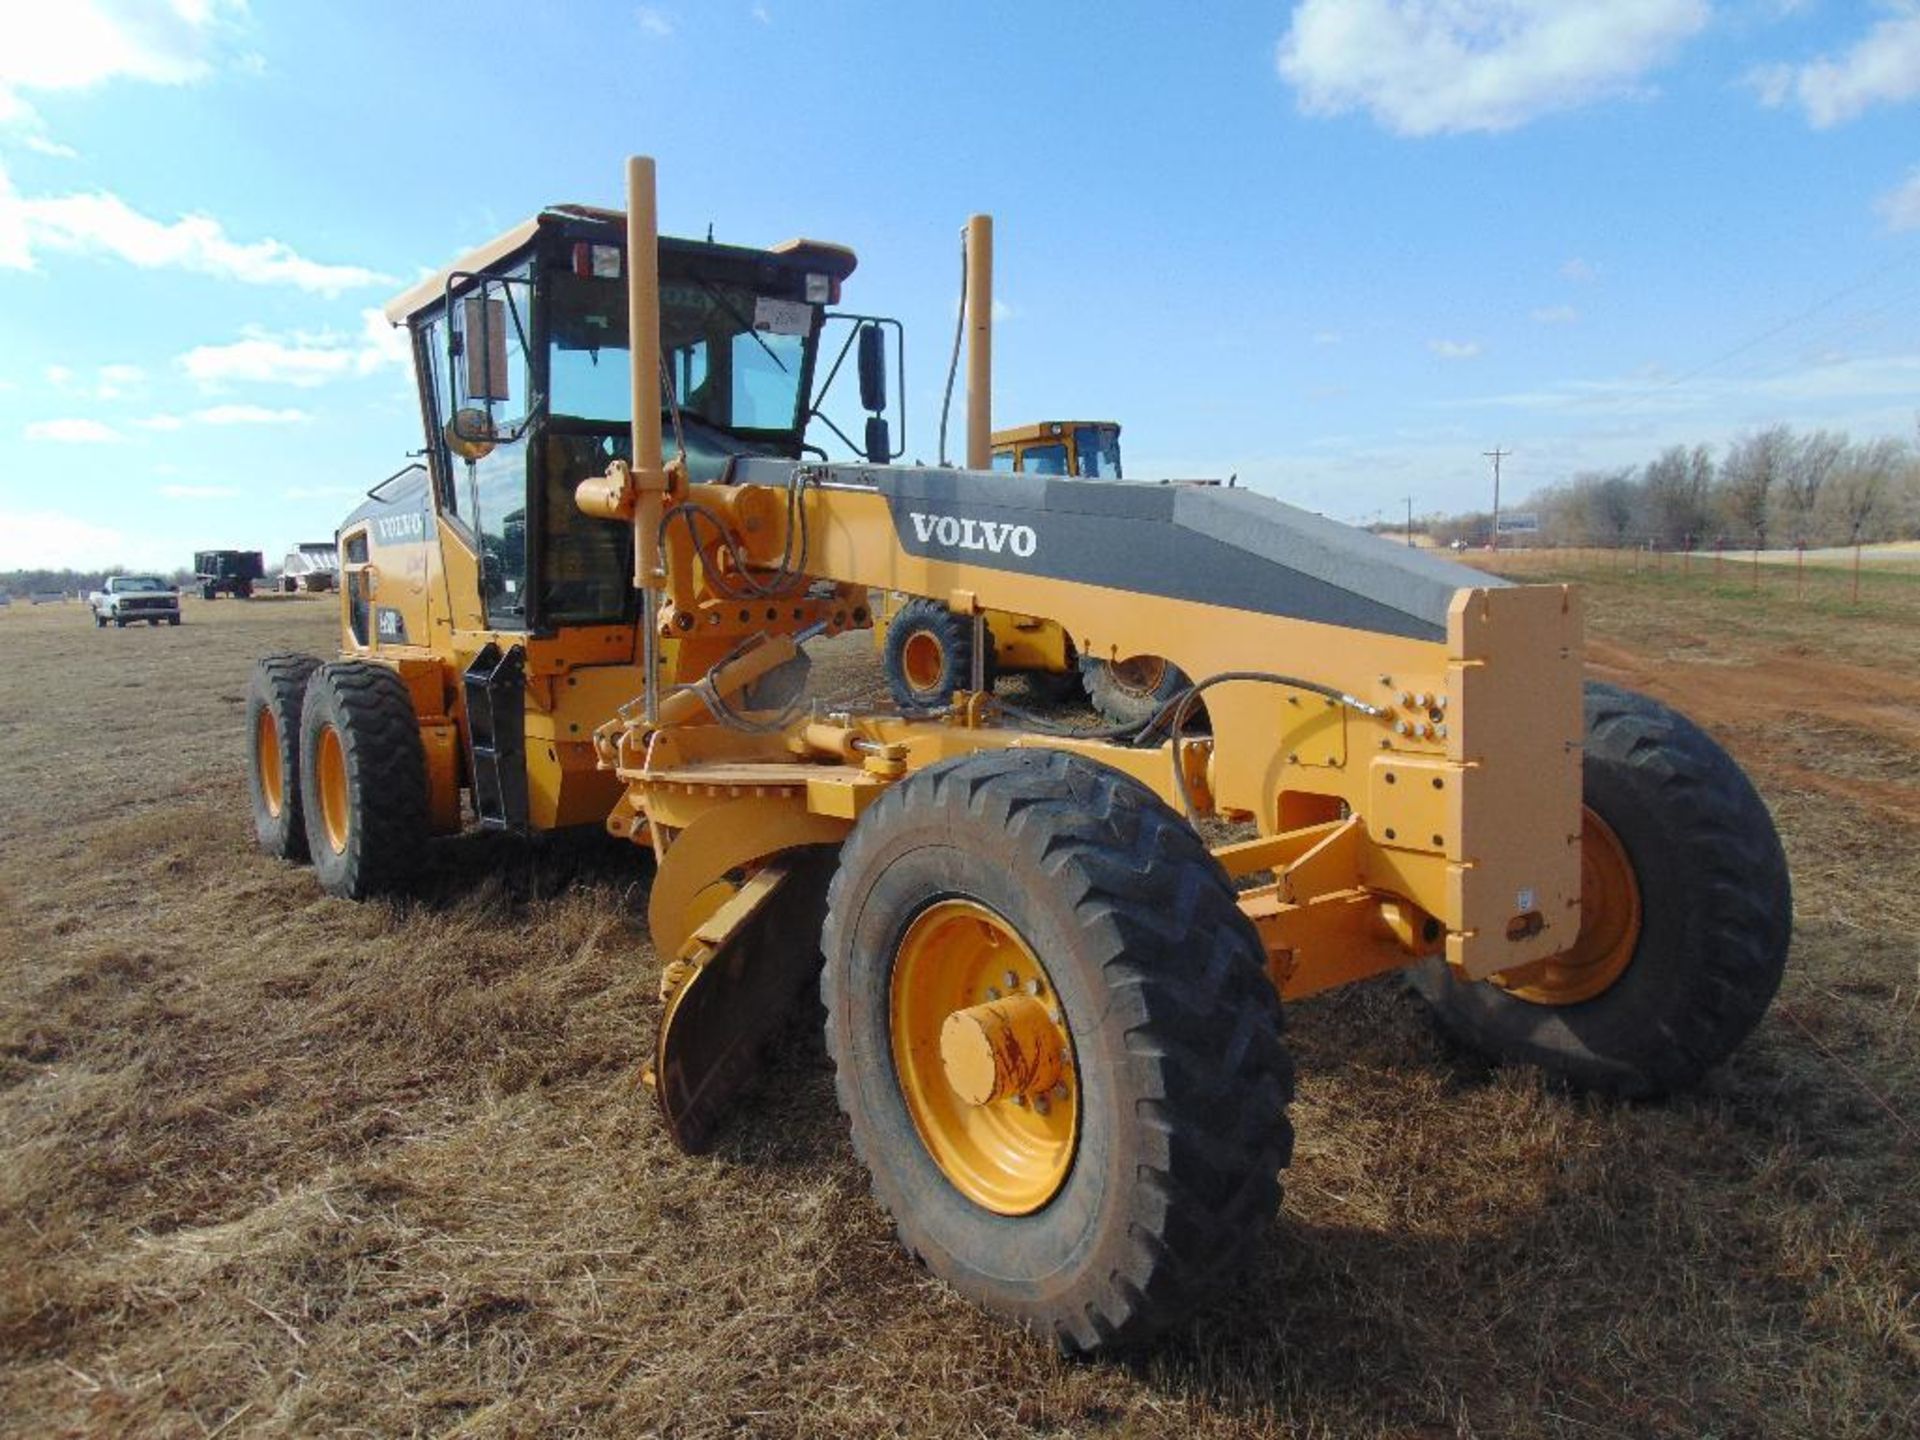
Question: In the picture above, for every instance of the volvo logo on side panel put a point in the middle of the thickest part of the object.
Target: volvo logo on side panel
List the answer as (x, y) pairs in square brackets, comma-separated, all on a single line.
[(398, 529), (995, 537)]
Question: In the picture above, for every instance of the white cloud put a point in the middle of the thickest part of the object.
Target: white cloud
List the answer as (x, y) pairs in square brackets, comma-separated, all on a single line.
[(249, 415), (1454, 349), (41, 145), (199, 492), (1327, 337), (762, 14), (1430, 67), (654, 21), (37, 538), (103, 224), (161, 422), (302, 360), (1883, 67), (1900, 206), (73, 432), (1581, 272), (1804, 393), (110, 382), (78, 44), (1555, 315), (322, 492)]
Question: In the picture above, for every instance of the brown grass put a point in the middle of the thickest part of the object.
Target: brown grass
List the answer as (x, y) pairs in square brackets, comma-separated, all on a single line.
[(276, 1164)]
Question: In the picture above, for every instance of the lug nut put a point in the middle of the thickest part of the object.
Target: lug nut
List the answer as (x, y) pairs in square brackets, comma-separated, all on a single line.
[(1041, 1105), (1010, 980), (1060, 1091), (1033, 986)]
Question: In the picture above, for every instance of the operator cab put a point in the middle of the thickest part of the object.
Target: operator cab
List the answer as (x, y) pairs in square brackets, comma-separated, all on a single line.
[(1089, 449), (521, 352)]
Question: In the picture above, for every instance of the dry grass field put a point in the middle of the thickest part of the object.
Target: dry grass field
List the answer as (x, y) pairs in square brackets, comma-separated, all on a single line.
[(273, 1164)]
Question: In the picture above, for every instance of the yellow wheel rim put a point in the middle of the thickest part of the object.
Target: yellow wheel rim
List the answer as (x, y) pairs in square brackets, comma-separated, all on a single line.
[(1141, 674), (1609, 927), (330, 777), (924, 659), (1011, 1155), (266, 745)]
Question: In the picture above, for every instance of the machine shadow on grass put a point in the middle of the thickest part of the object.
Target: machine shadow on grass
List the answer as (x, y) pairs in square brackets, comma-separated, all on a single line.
[(524, 868)]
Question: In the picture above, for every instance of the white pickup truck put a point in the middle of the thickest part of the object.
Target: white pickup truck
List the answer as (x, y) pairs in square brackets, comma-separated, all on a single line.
[(127, 598)]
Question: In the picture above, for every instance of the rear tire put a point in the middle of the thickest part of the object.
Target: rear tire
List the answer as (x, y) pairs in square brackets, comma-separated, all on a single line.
[(275, 694), (929, 655), (99, 621), (363, 779), (1716, 916), (173, 620), (1135, 690), (1178, 1074)]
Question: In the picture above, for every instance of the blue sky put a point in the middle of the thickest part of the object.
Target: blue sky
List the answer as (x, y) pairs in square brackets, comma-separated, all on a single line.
[(1338, 247)]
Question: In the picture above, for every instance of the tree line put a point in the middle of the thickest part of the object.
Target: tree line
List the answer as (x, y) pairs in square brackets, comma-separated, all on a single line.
[(1777, 488), (22, 583)]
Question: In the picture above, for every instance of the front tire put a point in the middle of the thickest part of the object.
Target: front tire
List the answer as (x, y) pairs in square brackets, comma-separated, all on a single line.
[(1686, 915), (275, 693), (929, 654), (363, 779), (1119, 1200)]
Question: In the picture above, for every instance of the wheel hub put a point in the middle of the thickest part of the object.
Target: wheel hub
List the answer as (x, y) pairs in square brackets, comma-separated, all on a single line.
[(1609, 927), (1002, 1049), (924, 659), (1139, 674), (983, 1057), (330, 771), (266, 741)]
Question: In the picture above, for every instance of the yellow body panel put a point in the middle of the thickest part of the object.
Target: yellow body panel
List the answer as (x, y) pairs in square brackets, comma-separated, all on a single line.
[(1477, 827)]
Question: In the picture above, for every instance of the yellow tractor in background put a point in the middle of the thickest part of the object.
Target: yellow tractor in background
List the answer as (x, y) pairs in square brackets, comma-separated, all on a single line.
[(1053, 1007), (928, 651)]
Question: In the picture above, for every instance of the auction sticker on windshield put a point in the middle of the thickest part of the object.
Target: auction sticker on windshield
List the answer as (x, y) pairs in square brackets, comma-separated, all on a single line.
[(782, 317)]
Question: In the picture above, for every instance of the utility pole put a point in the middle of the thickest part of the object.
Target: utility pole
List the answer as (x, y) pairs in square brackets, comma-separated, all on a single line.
[(1409, 522), (1496, 455)]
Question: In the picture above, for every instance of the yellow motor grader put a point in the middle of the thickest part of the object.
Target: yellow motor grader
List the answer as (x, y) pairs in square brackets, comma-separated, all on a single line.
[(1053, 1008)]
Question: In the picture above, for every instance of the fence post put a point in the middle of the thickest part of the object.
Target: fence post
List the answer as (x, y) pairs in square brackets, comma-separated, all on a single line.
[(1856, 569), (1800, 571)]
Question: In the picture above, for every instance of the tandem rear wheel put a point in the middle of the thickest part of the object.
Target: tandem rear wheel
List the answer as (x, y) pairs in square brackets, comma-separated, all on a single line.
[(1055, 1042), (363, 779), (1686, 915)]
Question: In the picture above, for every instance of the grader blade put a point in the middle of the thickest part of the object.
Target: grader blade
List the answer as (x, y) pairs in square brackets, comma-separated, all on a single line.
[(745, 967)]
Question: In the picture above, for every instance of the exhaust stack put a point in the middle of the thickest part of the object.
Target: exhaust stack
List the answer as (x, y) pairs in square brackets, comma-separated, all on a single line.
[(979, 342)]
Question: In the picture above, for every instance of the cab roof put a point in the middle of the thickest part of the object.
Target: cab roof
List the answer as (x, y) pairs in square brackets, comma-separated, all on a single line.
[(818, 255)]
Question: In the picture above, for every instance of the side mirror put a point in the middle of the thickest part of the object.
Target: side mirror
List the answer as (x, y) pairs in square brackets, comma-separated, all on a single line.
[(879, 442), (873, 369), (485, 344), (470, 433)]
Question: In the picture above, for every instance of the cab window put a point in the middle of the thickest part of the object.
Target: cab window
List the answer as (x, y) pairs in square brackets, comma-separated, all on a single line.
[(487, 435), (1003, 459), (1044, 459)]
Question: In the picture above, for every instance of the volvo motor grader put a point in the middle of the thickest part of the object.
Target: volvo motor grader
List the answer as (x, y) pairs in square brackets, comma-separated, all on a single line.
[(1053, 1007)]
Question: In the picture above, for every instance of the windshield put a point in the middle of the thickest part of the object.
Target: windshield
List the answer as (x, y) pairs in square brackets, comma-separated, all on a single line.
[(126, 583), (736, 359)]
